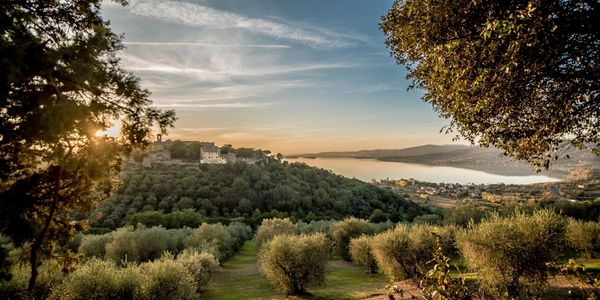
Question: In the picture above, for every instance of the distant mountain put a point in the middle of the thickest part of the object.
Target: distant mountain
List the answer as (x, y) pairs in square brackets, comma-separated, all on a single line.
[(472, 157)]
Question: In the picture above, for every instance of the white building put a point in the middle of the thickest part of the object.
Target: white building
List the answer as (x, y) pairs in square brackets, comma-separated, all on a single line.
[(211, 155)]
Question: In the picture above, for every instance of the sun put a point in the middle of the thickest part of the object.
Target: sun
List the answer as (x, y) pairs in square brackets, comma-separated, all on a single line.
[(113, 131)]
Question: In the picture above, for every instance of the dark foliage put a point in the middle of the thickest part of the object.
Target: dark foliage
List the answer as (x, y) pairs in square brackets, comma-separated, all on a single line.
[(247, 193)]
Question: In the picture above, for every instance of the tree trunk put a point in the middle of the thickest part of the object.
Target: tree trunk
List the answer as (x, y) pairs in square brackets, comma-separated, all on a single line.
[(37, 243)]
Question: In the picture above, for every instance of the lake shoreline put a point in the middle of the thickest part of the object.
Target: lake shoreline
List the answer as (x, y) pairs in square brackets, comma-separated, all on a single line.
[(367, 169)]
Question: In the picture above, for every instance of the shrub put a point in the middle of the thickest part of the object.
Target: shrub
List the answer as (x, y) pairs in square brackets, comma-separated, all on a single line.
[(584, 237), (212, 238), (168, 279), (404, 251), (319, 226), (343, 231), (430, 219), (101, 279), (50, 275), (152, 242), (362, 254), (269, 228), (165, 278), (461, 215), (511, 253), (94, 245), (200, 264), (291, 263), (378, 216), (383, 226), (240, 233), (123, 247)]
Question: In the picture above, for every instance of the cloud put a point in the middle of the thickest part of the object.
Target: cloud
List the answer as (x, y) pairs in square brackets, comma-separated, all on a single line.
[(218, 105), (220, 68), (196, 15), (377, 88), (167, 44)]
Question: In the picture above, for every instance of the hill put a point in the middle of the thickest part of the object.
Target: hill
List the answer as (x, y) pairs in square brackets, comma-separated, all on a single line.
[(249, 192)]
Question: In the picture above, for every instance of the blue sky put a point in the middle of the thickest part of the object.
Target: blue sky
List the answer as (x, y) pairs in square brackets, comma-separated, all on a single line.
[(290, 76)]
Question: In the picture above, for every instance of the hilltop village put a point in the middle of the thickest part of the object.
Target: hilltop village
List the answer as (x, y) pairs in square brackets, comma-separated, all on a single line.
[(192, 153)]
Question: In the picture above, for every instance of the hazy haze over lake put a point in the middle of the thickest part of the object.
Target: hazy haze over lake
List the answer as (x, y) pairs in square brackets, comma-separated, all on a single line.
[(367, 169)]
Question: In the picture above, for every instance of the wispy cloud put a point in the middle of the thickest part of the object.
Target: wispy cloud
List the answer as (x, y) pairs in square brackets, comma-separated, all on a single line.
[(206, 106), (167, 44), (197, 15), (221, 70), (376, 88)]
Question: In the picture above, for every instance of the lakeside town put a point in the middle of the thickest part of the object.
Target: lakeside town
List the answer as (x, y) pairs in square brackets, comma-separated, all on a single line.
[(582, 185)]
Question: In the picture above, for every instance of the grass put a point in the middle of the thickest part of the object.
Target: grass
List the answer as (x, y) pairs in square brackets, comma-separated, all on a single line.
[(240, 279), (591, 265)]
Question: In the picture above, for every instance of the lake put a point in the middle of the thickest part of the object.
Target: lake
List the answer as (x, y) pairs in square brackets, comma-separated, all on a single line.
[(367, 169)]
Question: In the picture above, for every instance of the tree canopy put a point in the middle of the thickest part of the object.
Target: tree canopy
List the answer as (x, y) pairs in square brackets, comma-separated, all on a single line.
[(519, 75), (60, 83)]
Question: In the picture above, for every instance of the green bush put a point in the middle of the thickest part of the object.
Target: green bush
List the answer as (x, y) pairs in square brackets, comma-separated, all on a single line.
[(461, 215), (212, 238), (269, 228), (94, 245), (101, 279), (291, 263), (152, 242), (200, 264), (123, 247), (404, 251), (50, 275), (240, 233), (164, 278), (343, 231), (383, 226), (362, 254), (168, 279), (583, 237), (319, 226), (511, 253)]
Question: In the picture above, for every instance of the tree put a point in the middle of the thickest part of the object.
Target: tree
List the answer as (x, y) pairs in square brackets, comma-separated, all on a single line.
[(518, 75), (347, 229), (291, 263), (512, 254), (270, 228), (60, 83)]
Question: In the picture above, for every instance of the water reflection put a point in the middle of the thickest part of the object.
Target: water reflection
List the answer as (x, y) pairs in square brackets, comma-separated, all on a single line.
[(367, 169)]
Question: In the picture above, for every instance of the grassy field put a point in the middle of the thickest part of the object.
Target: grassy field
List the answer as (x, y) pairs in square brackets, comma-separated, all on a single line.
[(240, 279)]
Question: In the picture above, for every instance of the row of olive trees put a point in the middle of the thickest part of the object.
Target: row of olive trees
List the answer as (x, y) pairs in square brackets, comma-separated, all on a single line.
[(511, 254), (134, 263), (127, 244), (294, 256), (170, 277)]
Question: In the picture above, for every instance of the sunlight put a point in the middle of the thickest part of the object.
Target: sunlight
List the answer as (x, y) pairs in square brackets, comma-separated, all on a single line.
[(113, 131)]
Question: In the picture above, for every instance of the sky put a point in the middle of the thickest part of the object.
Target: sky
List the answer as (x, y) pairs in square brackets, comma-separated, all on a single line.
[(288, 76)]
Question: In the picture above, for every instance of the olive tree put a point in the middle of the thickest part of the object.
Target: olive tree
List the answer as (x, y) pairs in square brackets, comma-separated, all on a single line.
[(347, 229), (362, 253), (583, 237), (404, 251), (511, 253), (212, 238), (94, 245), (291, 263), (269, 228), (518, 75)]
